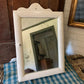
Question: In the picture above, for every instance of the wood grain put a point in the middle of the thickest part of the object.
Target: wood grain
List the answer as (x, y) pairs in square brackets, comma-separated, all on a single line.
[(7, 51), (61, 5), (44, 3), (34, 1), (54, 4), (10, 12), (4, 21), (20, 3)]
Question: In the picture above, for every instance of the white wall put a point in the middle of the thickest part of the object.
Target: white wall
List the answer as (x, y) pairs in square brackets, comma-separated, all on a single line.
[(74, 37)]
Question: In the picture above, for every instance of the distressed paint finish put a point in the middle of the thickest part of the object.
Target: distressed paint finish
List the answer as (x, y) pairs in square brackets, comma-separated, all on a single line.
[(6, 21), (36, 11)]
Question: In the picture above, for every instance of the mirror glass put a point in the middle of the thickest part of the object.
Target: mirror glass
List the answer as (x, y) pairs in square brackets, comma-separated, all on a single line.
[(79, 14), (40, 47)]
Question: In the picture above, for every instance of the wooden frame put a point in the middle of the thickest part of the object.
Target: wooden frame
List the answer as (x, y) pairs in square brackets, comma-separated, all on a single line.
[(35, 10), (71, 21)]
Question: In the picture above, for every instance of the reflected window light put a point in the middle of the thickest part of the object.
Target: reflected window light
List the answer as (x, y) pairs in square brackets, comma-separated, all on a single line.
[(69, 49)]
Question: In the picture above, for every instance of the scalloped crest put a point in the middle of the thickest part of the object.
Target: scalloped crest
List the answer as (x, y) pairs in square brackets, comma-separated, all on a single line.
[(34, 7)]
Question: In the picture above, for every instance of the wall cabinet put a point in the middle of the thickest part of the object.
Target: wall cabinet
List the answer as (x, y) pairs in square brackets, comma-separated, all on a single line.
[(7, 43)]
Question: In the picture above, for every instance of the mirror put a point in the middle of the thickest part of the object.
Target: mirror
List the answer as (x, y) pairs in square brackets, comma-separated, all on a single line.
[(39, 42), (43, 35), (79, 13), (76, 17)]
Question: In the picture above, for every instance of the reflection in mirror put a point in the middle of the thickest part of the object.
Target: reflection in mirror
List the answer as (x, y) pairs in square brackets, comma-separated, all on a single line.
[(43, 38), (79, 14)]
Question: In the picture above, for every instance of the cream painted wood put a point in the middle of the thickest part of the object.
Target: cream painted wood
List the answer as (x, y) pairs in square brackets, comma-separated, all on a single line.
[(35, 10)]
